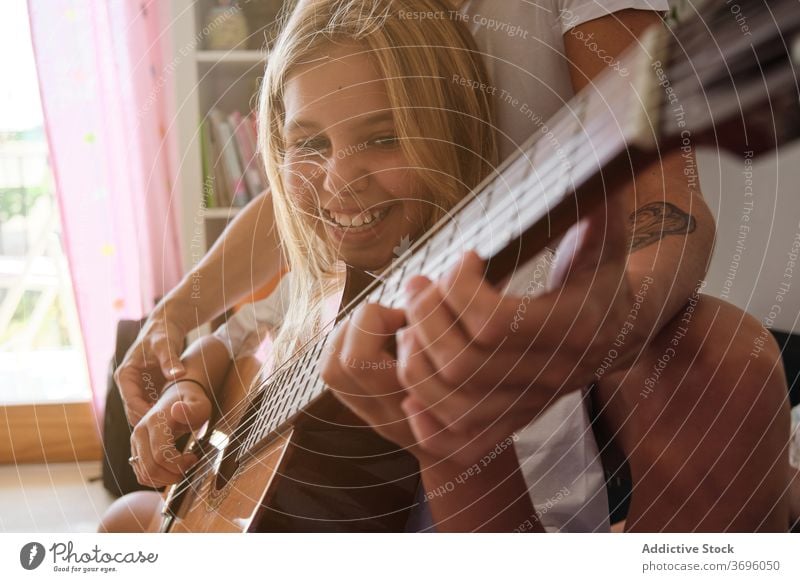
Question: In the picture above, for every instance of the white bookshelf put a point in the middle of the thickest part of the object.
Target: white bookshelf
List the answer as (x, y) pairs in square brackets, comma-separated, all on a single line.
[(225, 79)]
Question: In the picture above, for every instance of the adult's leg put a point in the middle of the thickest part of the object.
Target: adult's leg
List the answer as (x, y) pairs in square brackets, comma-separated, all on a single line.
[(702, 416), (136, 512)]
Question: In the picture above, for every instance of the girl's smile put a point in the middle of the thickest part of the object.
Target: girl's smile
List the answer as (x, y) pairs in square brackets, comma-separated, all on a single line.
[(344, 166)]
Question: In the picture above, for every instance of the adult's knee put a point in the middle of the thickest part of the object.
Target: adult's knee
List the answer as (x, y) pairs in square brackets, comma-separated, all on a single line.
[(734, 356)]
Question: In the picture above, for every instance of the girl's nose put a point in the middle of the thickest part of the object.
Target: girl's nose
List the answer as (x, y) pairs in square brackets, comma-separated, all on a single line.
[(345, 175)]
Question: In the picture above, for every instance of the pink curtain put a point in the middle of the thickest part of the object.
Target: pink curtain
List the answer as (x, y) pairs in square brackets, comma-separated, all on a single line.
[(107, 105)]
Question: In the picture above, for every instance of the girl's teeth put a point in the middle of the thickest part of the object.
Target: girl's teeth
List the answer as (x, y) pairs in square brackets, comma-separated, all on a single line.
[(356, 221)]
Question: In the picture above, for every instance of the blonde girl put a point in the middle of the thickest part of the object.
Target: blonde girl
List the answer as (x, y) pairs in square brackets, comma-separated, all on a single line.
[(367, 142)]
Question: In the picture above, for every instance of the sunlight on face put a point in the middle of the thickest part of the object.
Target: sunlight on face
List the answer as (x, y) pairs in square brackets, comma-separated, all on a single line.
[(344, 167)]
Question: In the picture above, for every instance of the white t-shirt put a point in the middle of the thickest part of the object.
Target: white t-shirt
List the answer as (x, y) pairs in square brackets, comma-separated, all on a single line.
[(243, 333), (523, 46)]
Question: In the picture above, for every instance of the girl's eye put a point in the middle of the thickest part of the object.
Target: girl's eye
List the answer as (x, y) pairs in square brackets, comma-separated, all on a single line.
[(311, 146), (388, 141)]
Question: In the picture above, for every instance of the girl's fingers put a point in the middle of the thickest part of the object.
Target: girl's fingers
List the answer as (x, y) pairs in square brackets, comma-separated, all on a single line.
[(362, 374), (364, 356), (167, 349)]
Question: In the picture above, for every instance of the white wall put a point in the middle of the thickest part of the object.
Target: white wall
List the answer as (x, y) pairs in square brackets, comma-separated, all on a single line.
[(757, 269)]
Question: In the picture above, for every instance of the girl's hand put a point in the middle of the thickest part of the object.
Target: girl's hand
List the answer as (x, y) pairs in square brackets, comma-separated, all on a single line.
[(184, 407)]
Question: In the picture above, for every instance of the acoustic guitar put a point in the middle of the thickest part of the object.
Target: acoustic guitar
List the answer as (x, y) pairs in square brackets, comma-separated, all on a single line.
[(284, 455)]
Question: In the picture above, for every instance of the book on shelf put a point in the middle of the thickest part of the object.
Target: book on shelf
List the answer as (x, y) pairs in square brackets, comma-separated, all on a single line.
[(244, 133), (230, 159), (209, 180)]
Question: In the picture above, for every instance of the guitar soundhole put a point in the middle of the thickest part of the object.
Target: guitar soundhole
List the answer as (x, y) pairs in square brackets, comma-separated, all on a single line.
[(228, 466), (230, 461)]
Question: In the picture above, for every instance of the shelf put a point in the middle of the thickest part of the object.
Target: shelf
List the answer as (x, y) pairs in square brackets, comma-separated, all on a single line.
[(220, 213), (232, 57)]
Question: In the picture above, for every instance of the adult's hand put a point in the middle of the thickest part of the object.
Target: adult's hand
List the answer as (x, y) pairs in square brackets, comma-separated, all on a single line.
[(363, 375), (152, 361)]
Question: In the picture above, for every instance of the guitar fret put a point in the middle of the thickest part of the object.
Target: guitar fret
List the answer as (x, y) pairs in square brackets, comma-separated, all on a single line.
[(262, 420), (269, 404), (281, 408), (286, 393), (301, 389)]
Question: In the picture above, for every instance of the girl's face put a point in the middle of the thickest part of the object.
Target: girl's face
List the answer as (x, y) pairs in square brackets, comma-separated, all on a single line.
[(343, 164)]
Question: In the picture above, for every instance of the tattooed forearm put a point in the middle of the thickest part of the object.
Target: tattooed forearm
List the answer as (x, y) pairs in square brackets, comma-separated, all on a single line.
[(652, 222)]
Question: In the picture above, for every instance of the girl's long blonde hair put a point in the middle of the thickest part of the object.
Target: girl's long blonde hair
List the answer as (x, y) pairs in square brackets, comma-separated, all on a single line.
[(444, 124)]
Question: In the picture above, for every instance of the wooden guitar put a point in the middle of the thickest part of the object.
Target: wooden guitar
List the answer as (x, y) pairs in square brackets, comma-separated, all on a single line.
[(283, 455)]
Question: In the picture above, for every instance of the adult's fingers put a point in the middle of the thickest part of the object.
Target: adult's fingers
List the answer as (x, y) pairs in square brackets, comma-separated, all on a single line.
[(419, 378), (138, 389), (435, 327), (478, 307), (437, 440), (468, 408), (598, 240), (166, 349)]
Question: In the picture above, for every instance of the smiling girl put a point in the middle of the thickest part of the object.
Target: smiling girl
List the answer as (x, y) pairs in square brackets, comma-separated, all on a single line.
[(367, 142)]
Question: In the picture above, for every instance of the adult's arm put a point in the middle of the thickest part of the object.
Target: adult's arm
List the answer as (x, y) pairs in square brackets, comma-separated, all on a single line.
[(242, 260), (671, 227)]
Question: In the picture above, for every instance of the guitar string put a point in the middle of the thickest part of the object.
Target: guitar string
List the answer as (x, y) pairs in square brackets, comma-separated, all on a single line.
[(529, 184), (497, 209), (430, 267)]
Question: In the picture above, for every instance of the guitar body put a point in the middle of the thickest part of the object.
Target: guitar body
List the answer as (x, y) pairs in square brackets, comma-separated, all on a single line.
[(234, 507), (327, 472)]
